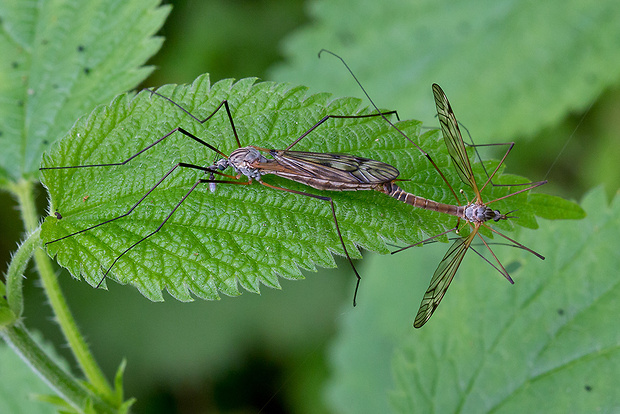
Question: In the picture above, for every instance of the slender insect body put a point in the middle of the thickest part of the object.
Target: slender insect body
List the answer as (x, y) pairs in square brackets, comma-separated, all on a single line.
[(348, 172), (473, 213), (398, 193), (476, 213)]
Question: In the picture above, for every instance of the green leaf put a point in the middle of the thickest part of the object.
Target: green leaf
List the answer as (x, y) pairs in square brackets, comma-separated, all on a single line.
[(244, 235), (546, 344), (520, 66), (551, 207), (118, 388), (19, 385), (59, 60)]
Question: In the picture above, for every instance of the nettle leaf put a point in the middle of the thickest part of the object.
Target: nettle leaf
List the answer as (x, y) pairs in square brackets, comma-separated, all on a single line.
[(59, 60), (552, 347), (22, 389), (247, 235), (511, 69), (545, 344)]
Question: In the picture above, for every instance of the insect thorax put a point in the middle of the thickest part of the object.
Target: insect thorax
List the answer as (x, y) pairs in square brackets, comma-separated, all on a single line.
[(243, 161), (479, 213)]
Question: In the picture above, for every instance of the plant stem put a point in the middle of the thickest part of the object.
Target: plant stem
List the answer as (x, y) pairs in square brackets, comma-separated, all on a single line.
[(15, 273), (24, 192)]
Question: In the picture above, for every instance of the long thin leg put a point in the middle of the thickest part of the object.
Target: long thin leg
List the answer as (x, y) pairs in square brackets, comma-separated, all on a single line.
[(424, 153), (426, 240), (490, 176), (344, 247), (202, 121), (200, 181), (312, 128), (533, 185), (181, 164), (501, 269), (510, 145), (179, 129), (326, 117), (515, 243), (475, 147), (486, 260)]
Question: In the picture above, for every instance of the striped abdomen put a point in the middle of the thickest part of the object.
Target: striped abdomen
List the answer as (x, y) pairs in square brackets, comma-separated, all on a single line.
[(398, 193)]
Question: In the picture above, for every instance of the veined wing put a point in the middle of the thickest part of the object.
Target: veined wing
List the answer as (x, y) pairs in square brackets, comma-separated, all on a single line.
[(336, 167), (453, 138), (442, 277)]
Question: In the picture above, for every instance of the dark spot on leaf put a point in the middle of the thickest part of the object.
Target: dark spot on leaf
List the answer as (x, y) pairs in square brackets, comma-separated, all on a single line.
[(44, 41), (45, 142), (560, 312), (55, 86), (58, 215), (15, 65), (588, 388), (20, 103), (87, 70), (80, 48)]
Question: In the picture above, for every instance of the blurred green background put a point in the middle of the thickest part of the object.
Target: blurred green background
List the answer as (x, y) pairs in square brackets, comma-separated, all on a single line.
[(271, 351)]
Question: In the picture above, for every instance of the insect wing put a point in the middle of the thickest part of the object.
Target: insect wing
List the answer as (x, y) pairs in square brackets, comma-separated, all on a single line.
[(337, 167), (442, 278), (453, 138)]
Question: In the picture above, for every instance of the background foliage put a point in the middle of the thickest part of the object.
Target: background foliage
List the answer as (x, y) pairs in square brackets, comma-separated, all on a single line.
[(237, 353)]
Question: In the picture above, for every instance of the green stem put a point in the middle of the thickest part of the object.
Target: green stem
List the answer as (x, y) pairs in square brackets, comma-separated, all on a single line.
[(64, 384), (24, 192), (15, 273), (69, 328)]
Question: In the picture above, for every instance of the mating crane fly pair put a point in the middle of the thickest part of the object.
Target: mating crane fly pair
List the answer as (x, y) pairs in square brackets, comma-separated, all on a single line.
[(341, 172)]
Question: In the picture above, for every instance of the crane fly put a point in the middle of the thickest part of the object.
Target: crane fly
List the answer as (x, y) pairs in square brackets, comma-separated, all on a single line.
[(323, 171), (476, 213)]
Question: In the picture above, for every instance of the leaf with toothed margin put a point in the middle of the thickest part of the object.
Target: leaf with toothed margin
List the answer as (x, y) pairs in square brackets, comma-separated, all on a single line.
[(57, 65), (237, 235)]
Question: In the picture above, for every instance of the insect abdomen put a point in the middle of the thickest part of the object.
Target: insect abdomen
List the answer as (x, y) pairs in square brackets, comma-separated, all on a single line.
[(398, 193)]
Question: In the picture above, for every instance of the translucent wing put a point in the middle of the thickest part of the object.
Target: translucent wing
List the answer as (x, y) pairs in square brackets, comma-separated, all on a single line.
[(442, 277), (453, 138), (336, 167)]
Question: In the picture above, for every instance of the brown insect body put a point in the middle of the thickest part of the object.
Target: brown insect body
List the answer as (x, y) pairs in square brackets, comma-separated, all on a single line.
[(323, 171)]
